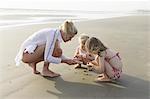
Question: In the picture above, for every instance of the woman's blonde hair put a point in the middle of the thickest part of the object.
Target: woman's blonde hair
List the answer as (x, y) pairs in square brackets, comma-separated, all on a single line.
[(83, 38), (68, 27), (94, 45)]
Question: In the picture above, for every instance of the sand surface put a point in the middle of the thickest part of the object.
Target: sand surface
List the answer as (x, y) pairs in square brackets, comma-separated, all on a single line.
[(128, 35)]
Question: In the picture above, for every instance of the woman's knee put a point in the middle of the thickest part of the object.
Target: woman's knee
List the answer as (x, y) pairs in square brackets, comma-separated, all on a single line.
[(25, 58), (34, 57), (57, 52)]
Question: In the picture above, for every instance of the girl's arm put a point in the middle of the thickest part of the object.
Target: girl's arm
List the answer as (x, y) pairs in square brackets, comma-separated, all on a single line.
[(77, 55), (95, 62), (101, 64), (76, 52), (99, 68)]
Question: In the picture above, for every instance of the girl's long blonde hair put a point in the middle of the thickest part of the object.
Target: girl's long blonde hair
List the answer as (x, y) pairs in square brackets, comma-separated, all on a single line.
[(68, 27), (94, 45), (83, 38)]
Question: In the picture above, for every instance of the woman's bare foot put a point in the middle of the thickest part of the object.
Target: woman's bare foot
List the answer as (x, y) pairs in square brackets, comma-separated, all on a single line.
[(36, 72), (49, 73), (33, 65)]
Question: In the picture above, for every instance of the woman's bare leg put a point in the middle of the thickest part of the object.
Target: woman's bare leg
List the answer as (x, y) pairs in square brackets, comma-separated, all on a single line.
[(33, 65), (33, 59), (56, 53), (45, 71), (38, 56)]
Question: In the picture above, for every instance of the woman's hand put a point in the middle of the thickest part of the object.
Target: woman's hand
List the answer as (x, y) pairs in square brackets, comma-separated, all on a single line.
[(71, 61)]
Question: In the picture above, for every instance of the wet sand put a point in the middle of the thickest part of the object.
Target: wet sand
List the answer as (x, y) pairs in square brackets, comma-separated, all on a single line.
[(128, 35)]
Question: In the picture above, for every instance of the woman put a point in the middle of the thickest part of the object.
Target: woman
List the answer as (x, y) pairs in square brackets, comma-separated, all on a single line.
[(44, 45)]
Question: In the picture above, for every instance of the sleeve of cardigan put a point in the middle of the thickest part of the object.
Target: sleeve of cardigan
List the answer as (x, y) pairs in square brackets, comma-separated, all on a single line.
[(50, 42), (64, 57)]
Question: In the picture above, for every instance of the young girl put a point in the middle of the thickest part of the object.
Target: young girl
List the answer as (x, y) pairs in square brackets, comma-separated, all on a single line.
[(80, 53), (108, 62)]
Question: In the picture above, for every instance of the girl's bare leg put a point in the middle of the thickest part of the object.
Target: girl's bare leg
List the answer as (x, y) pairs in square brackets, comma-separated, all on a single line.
[(103, 77)]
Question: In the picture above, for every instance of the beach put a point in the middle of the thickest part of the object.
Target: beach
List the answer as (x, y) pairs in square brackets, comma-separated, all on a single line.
[(129, 35)]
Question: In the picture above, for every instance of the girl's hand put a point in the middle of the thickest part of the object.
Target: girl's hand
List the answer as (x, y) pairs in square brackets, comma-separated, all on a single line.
[(90, 57), (78, 57)]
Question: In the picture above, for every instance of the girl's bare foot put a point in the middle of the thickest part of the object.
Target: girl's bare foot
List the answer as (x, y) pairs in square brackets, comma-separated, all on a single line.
[(89, 67), (78, 66), (100, 75), (49, 73), (33, 65), (102, 78)]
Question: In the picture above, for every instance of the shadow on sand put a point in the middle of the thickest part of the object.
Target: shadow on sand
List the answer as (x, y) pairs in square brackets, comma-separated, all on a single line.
[(127, 87)]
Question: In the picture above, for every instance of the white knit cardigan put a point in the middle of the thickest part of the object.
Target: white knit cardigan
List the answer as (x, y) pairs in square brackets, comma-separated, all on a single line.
[(44, 36)]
